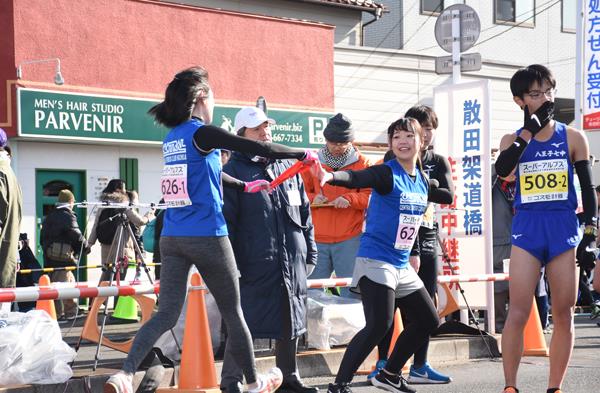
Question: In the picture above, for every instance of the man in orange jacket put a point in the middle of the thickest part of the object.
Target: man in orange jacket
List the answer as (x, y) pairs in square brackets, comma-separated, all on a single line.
[(337, 212)]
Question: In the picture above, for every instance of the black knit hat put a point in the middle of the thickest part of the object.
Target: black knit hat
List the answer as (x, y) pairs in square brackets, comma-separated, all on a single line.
[(339, 129)]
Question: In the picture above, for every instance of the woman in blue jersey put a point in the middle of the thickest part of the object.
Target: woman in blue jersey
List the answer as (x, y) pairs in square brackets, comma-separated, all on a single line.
[(382, 273), (194, 230), (545, 231)]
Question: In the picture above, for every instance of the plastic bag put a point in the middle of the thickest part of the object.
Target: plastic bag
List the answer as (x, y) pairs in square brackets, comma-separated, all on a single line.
[(32, 350), (332, 320)]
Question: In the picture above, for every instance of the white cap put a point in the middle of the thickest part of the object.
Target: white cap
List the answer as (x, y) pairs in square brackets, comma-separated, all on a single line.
[(250, 117)]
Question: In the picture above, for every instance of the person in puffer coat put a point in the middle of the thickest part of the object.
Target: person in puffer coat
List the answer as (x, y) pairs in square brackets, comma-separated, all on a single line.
[(115, 192), (273, 241)]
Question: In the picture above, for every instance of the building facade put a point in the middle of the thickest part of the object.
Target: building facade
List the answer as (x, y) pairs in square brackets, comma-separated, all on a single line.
[(398, 58), (371, 60), (115, 59)]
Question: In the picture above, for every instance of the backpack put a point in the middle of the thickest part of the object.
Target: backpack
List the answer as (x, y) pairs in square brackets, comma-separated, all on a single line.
[(148, 236), (106, 229)]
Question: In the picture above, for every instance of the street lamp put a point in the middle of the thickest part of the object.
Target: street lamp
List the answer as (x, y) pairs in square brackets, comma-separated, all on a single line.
[(58, 78)]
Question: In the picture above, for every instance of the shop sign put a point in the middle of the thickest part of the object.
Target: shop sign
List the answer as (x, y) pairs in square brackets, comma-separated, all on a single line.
[(296, 129), (71, 116)]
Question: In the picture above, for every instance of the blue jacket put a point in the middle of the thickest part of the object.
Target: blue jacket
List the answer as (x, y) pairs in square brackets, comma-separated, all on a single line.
[(272, 241)]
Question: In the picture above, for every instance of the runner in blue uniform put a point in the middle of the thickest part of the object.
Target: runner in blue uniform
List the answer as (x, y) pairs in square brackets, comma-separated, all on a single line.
[(545, 155), (194, 230), (382, 273)]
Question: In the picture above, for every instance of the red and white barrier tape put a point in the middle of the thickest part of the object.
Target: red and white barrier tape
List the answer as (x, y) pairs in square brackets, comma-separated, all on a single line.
[(473, 278), (63, 290), (345, 282), (329, 283), (82, 284), (31, 294)]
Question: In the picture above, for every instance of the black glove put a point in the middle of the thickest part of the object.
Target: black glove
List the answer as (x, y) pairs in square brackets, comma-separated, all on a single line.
[(587, 259), (534, 123)]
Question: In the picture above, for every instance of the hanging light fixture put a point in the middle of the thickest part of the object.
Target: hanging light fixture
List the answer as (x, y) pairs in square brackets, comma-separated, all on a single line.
[(58, 78)]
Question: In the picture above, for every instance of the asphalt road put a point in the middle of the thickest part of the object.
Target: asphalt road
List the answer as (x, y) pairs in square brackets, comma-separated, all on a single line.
[(486, 376)]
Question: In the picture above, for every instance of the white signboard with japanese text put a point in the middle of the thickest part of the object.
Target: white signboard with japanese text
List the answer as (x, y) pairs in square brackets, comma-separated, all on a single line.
[(465, 226)]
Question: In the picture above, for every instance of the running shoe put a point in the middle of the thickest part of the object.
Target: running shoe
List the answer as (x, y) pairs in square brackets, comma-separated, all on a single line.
[(378, 367), (510, 389), (121, 382), (269, 382), (391, 383), (427, 375), (595, 311), (339, 388)]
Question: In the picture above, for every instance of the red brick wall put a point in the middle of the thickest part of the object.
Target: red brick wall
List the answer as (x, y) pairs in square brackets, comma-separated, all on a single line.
[(138, 45)]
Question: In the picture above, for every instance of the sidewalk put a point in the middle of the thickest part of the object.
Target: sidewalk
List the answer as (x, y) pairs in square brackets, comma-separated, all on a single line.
[(311, 363)]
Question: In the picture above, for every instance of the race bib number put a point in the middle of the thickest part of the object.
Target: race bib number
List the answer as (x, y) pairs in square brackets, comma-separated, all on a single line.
[(544, 181), (173, 184), (408, 228)]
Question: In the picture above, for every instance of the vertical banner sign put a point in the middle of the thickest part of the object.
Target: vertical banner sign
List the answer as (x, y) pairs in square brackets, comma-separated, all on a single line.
[(465, 226), (591, 65)]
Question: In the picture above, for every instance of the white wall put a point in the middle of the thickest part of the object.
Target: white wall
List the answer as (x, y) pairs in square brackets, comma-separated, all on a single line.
[(376, 88), (95, 160)]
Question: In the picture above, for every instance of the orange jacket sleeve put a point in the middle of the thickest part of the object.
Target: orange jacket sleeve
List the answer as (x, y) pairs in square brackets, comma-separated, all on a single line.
[(311, 185)]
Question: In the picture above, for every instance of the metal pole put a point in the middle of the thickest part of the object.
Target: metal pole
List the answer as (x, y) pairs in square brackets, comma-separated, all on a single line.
[(487, 199), (455, 47), (579, 70)]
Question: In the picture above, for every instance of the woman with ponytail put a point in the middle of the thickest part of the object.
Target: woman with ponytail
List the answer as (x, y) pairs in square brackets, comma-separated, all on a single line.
[(194, 230)]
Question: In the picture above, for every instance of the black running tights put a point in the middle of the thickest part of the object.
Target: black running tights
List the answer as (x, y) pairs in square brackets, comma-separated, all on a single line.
[(379, 304)]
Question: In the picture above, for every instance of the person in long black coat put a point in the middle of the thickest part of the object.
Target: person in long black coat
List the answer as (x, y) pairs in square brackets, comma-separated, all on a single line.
[(60, 226), (273, 241)]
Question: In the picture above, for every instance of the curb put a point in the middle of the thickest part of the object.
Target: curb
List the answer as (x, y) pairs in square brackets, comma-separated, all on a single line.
[(311, 363)]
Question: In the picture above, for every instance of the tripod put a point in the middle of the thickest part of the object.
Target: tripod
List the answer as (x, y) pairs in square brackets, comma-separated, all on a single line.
[(118, 266), (448, 261)]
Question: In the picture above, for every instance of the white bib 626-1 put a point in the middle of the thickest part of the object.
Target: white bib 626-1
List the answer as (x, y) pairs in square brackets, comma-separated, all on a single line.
[(173, 184)]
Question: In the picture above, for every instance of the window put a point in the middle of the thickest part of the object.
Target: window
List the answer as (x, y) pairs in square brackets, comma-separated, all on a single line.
[(515, 11), (128, 172), (437, 6), (569, 11), (52, 188)]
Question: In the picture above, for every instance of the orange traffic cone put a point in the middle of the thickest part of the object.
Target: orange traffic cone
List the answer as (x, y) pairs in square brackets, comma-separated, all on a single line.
[(398, 328), (534, 343), (197, 372), (46, 305), (447, 303), (91, 331)]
